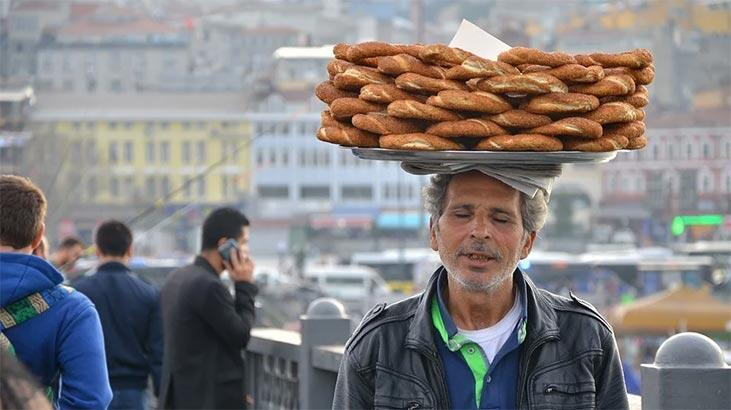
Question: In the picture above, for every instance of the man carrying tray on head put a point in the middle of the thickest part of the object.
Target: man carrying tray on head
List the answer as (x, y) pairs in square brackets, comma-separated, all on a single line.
[(481, 335)]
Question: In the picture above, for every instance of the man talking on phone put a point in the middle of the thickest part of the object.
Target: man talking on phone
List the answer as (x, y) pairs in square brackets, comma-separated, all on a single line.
[(205, 328)]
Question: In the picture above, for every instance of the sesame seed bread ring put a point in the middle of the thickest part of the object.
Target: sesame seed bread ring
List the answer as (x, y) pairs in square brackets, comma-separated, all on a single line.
[(353, 78), (561, 103), (478, 101), (336, 66), (642, 76), (585, 60), (370, 49), (571, 126), (520, 142), (629, 129), (534, 83), (418, 142), (639, 99), (603, 144), (442, 55), (616, 84), (424, 85), (615, 112), (349, 137), (387, 93), (520, 119), (383, 124), (473, 127), (327, 120), (576, 73), (523, 55), (478, 67), (419, 111), (637, 142), (404, 63), (637, 58), (348, 107), (412, 49), (327, 92), (340, 51)]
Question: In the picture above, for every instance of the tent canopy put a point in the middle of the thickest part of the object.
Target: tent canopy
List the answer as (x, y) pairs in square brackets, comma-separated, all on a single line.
[(678, 309)]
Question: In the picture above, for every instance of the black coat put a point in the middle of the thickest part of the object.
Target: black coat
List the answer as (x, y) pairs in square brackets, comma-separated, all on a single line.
[(570, 359), (205, 332)]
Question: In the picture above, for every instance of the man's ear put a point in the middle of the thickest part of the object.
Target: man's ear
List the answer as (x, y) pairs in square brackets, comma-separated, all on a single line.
[(527, 245), (433, 228), (221, 241), (39, 236)]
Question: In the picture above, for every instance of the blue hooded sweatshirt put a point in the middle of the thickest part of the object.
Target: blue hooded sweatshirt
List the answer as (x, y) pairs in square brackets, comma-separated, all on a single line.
[(66, 339)]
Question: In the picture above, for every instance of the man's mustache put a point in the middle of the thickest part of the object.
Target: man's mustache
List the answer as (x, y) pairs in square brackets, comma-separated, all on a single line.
[(481, 248)]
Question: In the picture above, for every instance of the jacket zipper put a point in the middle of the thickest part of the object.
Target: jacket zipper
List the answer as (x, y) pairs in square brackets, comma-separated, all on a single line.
[(522, 377), (443, 397)]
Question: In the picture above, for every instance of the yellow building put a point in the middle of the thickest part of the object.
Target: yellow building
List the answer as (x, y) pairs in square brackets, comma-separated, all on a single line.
[(132, 152)]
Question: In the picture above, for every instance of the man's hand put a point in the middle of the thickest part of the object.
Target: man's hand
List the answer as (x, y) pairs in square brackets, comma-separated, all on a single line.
[(241, 268)]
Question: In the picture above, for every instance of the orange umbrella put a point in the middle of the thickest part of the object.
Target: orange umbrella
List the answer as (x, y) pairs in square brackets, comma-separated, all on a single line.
[(679, 309)]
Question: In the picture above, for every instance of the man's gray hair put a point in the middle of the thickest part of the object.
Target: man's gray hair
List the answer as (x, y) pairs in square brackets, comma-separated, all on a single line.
[(533, 211)]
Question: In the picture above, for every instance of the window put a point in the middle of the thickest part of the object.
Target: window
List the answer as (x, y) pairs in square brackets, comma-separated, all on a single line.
[(315, 192), (201, 152), (302, 158), (273, 191), (357, 192), (115, 85), (186, 125), (68, 85), (272, 157), (186, 152), (150, 189), (112, 125), (259, 158), (128, 152), (129, 187), (150, 152), (113, 153), (187, 186), (164, 125), (285, 158), (706, 151), (165, 152), (113, 187), (91, 187), (655, 152), (202, 186), (224, 185), (164, 186)]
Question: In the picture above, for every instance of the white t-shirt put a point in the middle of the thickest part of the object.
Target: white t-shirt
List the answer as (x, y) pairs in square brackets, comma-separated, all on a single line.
[(492, 338)]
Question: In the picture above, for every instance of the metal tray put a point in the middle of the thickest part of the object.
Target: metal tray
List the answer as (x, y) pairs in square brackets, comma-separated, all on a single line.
[(485, 157)]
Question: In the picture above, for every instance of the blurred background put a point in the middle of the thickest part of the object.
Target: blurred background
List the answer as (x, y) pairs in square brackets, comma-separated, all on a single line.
[(154, 112)]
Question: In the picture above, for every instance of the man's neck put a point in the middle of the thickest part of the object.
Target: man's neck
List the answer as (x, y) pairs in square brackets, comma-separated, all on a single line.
[(214, 259), (9, 249), (119, 259), (478, 310)]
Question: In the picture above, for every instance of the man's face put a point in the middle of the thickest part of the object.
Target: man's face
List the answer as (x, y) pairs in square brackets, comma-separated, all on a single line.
[(479, 235), (72, 255), (243, 240)]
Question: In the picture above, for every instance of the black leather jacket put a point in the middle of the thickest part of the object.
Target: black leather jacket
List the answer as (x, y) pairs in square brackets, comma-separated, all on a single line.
[(569, 358)]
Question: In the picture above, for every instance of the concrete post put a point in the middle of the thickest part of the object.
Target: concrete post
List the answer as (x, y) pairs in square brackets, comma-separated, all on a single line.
[(325, 323), (689, 373)]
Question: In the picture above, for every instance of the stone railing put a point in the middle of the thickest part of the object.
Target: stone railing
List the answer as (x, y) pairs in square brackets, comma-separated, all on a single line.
[(291, 370)]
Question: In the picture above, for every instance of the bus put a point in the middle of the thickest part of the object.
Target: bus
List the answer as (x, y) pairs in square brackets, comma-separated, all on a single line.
[(404, 270)]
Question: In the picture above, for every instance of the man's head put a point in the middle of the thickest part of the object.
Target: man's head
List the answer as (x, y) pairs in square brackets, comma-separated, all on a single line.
[(68, 252), (223, 224), (113, 240), (22, 211), (481, 227)]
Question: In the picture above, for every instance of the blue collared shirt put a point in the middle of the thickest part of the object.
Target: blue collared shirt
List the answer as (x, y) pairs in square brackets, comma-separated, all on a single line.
[(495, 384)]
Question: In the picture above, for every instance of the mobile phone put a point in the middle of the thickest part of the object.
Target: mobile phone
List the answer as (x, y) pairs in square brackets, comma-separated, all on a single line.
[(227, 247)]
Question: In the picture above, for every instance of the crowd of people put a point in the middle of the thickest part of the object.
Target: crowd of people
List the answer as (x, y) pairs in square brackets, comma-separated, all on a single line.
[(92, 341)]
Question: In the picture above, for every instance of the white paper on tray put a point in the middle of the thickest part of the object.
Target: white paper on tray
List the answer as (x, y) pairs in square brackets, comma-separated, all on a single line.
[(471, 38)]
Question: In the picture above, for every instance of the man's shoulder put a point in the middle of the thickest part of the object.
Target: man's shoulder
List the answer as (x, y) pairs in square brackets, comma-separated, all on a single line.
[(393, 319), (577, 308)]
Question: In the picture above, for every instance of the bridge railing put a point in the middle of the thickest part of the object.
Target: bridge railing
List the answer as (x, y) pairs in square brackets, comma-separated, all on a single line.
[(293, 370)]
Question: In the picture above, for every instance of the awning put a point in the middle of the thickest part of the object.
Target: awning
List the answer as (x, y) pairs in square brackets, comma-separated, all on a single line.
[(353, 221), (402, 220)]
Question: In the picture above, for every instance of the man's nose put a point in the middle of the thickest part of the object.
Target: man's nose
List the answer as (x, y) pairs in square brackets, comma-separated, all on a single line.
[(480, 228)]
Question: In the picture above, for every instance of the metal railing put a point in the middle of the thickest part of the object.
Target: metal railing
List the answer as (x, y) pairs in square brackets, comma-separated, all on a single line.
[(293, 370)]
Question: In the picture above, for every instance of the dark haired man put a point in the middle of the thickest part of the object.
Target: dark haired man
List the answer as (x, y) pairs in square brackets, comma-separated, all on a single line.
[(68, 252), (53, 330), (205, 327), (129, 309)]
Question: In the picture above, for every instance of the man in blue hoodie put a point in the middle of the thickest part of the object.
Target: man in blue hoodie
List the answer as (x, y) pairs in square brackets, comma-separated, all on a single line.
[(129, 309), (52, 329)]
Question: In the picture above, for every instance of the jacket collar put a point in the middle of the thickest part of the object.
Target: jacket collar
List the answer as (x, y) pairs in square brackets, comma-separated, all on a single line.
[(113, 266), (541, 315), (203, 263)]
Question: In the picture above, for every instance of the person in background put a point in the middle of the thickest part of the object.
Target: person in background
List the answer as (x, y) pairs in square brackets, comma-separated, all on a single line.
[(66, 255), (18, 390), (206, 328), (129, 309), (52, 329)]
